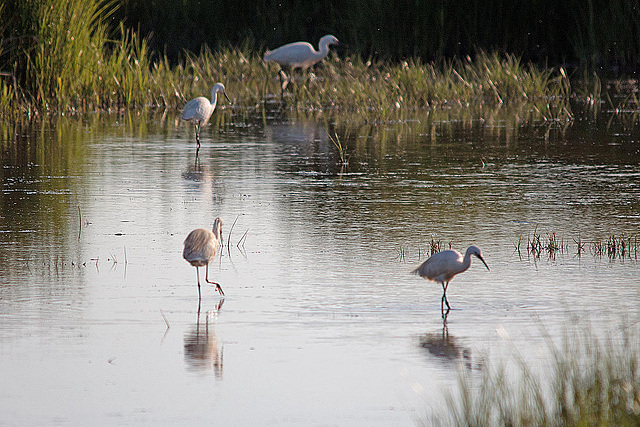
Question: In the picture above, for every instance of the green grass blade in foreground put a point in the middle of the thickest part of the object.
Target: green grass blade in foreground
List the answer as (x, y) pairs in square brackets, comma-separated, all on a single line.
[(594, 381)]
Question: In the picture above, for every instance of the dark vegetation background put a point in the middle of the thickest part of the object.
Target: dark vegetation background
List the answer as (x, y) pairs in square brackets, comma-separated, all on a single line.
[(87, 54), (594, 34)]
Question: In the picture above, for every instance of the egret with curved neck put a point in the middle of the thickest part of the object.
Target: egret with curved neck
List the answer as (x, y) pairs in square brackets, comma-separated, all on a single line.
[(199, 110), (443, 266), (200, 247), (299, 55)]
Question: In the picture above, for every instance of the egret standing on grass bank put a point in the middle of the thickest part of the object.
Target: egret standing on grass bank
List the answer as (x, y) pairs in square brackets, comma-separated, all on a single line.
[(199, 110), (200, 247), (299, 55), (442, 266)]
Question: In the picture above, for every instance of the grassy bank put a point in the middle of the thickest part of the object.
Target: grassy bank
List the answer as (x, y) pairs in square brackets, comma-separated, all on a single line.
[(593, 381), (68, 56)]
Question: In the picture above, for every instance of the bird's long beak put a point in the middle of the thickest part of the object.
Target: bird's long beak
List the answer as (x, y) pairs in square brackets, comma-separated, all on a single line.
[(485, 264), (226, 96)]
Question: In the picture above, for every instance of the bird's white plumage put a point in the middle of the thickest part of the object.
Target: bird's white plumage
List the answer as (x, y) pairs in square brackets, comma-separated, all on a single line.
[(300, 54), (443, 266), (201, 246), (200, 109)]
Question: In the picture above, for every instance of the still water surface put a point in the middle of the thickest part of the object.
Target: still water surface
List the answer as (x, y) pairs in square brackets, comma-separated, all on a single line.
[(322, 323)]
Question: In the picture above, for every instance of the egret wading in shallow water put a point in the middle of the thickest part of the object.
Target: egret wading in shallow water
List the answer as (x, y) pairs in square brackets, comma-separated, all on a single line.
[(442, 266), (200, 247), (199, 110), (299, 55)]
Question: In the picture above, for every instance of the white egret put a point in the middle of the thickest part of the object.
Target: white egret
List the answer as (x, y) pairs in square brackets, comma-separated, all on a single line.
[(200, 247), (442, 266), (299, 55), (199, 110)]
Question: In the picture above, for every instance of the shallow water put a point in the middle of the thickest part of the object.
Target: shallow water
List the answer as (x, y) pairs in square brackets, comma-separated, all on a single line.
[(322, 323)]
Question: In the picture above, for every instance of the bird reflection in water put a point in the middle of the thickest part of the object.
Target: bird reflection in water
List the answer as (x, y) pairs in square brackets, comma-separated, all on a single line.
[(199, 177), (197, 172), (446, 347), (201, 349)]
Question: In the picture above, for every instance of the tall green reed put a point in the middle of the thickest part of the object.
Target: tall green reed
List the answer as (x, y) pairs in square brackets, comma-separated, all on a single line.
[(70, 38), (66, 59)]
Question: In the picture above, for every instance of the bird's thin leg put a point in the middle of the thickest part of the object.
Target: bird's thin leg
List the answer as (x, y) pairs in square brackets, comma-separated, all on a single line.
[(445, 313), (284, 82), (445, 328), (444, 297), (197, 139), (218, 287), (281, 87), (207, 276), (198, 276)]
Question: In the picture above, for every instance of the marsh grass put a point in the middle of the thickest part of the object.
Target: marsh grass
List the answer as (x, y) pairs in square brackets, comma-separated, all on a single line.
[(613, 246), (374, 91), (435, 245), (403, 252), (70, 59), (550, 244), (378, 89), (593, 380)]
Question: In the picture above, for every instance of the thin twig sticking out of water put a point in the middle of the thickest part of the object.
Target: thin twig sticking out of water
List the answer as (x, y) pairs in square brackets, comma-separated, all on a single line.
[(124, 248), (80, 218), (241, 242), (229, 236), (242, 239), (517, 246), (579, 246), (344, 158), (114, 260), (400, 254), (166, 321)]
